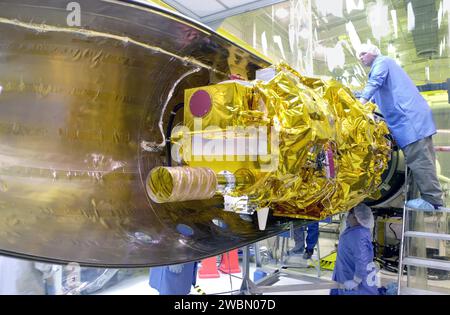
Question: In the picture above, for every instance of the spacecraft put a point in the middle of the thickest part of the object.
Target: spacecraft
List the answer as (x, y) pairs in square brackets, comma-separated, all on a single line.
[(99, 160)]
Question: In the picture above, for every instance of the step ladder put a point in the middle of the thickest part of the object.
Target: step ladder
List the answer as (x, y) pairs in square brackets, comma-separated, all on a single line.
[(410, 260)]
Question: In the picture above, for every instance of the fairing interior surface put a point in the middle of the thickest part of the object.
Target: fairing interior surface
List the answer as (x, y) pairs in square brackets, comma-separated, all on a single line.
[(77, 105), (78, 109)]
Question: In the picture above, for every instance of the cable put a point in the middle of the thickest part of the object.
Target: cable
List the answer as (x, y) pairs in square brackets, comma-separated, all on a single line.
[(173, 113), (389, 266), (229, 271), (227, 292), (395, 234), (199, 290), (237, 277)]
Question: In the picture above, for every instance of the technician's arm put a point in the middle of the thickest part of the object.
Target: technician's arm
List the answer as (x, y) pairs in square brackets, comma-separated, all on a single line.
[(376, 79)]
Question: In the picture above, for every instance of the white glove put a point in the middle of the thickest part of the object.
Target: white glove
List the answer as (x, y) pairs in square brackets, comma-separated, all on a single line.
[(357, 94), (350, 284), (176, 268)]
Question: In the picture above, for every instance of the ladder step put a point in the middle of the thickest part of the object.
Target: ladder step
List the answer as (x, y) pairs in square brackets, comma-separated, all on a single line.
[(440, 210), (412, 291), (434, 236), (427, 262)]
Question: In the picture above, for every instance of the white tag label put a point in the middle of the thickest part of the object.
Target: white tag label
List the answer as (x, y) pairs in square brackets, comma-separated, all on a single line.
[(236, 204)]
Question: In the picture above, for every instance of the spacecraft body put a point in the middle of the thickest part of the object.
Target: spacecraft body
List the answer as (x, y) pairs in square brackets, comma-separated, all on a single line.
[(85, 105), (304, 147)]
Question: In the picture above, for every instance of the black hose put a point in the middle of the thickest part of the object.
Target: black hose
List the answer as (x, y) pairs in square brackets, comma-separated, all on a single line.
[(173, 114), (395, 234)]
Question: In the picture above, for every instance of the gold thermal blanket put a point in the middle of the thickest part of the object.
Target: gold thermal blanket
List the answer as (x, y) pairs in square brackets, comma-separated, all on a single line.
[(325, 153)]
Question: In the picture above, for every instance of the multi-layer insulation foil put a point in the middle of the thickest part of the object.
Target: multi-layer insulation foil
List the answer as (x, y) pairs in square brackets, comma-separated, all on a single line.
[(324, 151)]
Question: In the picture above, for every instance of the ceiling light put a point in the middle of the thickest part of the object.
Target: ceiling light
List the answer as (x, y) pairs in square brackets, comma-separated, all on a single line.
[(355, 82), (351, 5), (335, 7), (277, 40), (391, 49), (304, 33), (353, 35), (395, 22), (264, 43), (282, 13), (445, 6), (335, 57), (411, 17), (378, 15)]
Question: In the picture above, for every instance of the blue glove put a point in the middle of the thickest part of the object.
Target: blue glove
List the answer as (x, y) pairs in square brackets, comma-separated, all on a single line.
[(176, 268), (391, 288), (350, 284)]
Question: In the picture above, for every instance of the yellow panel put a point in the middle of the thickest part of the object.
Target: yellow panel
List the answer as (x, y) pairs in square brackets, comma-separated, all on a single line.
[(230, 101)]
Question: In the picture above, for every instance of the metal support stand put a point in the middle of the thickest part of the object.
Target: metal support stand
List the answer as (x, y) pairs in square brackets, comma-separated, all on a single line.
[(264, 285), (315, 262), (248, 286)]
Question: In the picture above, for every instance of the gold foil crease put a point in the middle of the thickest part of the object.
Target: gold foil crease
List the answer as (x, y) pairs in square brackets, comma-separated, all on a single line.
[(315, 120)]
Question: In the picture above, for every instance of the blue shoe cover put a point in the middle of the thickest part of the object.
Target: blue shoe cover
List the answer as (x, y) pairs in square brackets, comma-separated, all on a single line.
[(419, 204)]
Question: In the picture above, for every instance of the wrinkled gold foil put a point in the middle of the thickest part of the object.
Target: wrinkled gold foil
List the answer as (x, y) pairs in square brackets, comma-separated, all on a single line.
[(331, 150)]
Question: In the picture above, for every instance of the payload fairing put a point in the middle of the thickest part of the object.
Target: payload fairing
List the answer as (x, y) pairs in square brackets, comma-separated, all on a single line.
[(83, 115)]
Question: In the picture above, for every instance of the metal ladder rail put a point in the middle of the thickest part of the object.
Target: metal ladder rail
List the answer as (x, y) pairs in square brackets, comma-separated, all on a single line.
[(402, 241), (423, 262), (407, 234)]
